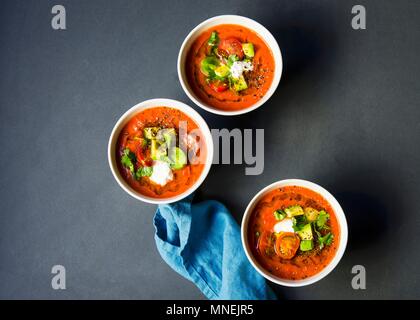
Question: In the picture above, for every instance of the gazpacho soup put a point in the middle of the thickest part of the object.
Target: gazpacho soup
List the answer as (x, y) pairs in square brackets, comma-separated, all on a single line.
[(161, 152), (229, 67), (293, 232)]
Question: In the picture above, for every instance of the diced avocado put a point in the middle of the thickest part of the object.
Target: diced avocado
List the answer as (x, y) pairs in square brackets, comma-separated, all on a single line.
[(239, 84), (169, 135), (154, 149), (293, 211), (248, 49), (150, 132), (167, 160), (306, 245), (306, 232), (311, 214), (157, 151), (208, 65), (222, 71), (178, 157)]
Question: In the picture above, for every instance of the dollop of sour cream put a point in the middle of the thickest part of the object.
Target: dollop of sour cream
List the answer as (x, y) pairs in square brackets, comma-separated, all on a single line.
[(285, 225), (162, 173), (238, 67)]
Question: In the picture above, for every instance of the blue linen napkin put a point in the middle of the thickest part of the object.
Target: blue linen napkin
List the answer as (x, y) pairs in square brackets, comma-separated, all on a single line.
[(202, 242)]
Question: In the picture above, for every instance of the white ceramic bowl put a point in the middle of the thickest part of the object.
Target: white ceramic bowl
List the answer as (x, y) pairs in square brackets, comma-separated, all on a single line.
[(338, 213), (238, 20), (151, 104)]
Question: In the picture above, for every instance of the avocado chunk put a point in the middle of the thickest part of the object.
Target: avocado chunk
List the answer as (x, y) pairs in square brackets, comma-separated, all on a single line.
[(248, 49), (293, 211), (157, 150), (151, 132), (306, 232), (311, 214), (240, 84), (169, 136), (178, 158), (306, 245), (222, 71)]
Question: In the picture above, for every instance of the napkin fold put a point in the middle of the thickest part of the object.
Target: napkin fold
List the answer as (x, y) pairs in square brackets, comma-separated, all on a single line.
[(202, 242)]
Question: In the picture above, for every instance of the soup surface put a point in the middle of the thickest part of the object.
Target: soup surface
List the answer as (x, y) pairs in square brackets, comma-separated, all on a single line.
[(161, 152), (293, 232), (229, 67)]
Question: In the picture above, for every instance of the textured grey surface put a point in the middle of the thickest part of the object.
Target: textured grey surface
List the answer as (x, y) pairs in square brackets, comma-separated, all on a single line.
[(346, 115)]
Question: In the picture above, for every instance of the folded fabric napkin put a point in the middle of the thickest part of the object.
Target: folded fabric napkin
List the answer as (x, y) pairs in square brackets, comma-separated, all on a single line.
[(202, 242)]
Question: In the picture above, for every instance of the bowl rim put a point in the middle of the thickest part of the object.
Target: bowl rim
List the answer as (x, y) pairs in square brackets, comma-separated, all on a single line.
[(148, 104), (250, 24), (339, 213)]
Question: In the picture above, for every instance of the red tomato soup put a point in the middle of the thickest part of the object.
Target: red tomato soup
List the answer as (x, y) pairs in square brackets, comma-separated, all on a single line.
[(293, 232), (161, 152), (229, 67)]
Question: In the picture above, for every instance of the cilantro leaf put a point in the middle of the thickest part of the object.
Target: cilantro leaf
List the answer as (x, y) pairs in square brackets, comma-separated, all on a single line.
[(299, 222), (232, 58), (319, 235), (128, 159), (279, 214), (328, 241), (214, 39), (322, 219), (144, 172), (325, 240)]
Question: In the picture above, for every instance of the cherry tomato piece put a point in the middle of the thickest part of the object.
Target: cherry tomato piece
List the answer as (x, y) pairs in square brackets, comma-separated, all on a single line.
[(218, 86), (232, 46), (265, 243), (287, 244)]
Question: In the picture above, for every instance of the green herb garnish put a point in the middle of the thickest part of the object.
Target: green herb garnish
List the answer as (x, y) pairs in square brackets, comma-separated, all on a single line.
[(214, 39), (144, 172), (279, 214), (299, 222), (128, 159), (322, 219), (325, 240), (208, 65), (232, 58)]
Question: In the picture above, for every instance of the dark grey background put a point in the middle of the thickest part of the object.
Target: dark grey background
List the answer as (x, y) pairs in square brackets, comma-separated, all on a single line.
[(346, 115)]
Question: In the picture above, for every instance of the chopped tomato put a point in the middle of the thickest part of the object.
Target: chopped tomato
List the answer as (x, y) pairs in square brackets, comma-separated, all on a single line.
[(232, 46), (143, 156), (222, 53), (218, 86), (131, 144), (287, 244)]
